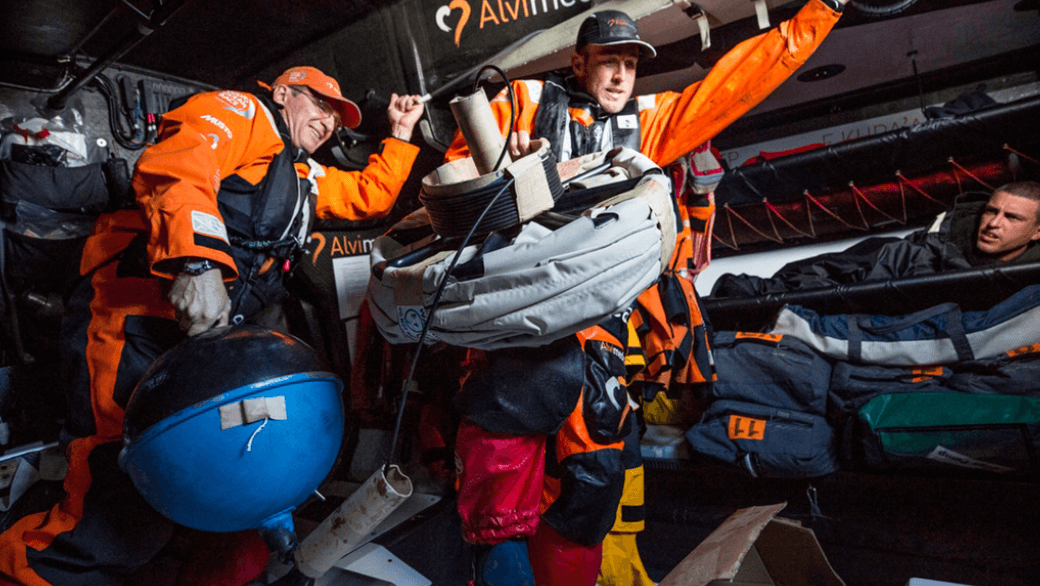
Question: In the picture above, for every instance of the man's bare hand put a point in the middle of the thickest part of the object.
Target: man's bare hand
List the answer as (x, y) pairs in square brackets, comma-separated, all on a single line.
[(521, 145), (200, 302), (403, 113)]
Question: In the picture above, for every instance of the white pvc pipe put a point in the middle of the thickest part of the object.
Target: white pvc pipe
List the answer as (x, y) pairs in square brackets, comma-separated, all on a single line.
[(480, 129), (352, 522)]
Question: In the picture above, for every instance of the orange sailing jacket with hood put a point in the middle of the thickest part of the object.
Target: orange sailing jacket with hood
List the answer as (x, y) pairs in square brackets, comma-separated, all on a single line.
[(671, 123)]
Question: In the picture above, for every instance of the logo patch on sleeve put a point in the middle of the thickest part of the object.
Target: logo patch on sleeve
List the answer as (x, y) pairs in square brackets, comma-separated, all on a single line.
[(238, 103), (208, 224)]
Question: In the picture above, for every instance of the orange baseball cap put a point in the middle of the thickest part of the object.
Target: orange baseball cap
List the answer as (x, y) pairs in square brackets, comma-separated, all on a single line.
[(327, 87)]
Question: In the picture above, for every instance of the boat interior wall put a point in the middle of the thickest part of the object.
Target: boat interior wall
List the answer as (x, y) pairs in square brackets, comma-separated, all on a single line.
[(897, 178), (923, 46), (912, 150)]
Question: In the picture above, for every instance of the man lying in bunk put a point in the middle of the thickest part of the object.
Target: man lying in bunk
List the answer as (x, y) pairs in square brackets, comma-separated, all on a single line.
[(803, 397), (1002, 227)]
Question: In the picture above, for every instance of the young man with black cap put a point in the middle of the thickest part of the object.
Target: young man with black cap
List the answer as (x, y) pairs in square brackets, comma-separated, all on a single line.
[(226, 198), (589, 111), (593, 108)]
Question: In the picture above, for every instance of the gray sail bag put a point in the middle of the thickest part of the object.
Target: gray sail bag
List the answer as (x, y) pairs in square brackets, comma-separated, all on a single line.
[(546, 283)]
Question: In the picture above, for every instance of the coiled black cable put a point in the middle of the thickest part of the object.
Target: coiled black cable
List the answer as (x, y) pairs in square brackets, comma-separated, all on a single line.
[(447, 274), (454, 215)]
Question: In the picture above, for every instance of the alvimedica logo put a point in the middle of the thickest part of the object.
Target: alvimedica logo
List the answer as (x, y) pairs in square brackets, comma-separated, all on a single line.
[(453, 17)]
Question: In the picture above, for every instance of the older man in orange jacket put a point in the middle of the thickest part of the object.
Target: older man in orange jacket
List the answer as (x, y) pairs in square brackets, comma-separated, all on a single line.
[(226, 198)]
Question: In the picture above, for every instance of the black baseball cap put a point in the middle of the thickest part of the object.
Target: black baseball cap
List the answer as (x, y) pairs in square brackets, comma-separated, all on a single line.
[(612, 27)]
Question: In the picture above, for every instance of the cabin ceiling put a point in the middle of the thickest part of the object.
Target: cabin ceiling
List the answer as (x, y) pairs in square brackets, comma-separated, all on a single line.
[(394, 45), (221, 42), (216, 42)]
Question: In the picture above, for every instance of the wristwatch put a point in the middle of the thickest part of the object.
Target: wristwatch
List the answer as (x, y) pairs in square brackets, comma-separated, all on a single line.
[(196, 266)]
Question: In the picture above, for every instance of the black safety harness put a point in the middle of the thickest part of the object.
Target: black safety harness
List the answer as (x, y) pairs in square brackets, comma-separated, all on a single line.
[(553, 120), (270, 220)]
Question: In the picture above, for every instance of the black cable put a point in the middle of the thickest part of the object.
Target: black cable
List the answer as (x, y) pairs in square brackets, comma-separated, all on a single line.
[(104, 86), (512, 107), (426, 328), (447, 274), (454, 214), (917, 78), (127, 141), (12, 309)]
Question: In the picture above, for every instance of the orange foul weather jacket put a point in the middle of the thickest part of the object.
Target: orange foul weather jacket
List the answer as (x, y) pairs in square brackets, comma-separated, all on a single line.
[(211, 138)]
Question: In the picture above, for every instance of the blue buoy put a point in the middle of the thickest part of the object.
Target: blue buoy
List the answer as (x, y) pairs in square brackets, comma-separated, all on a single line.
[(229, 474)]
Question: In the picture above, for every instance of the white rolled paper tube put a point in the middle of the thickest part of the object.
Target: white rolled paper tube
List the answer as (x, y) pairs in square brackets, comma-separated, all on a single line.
[(480, 129), (352, 522)]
